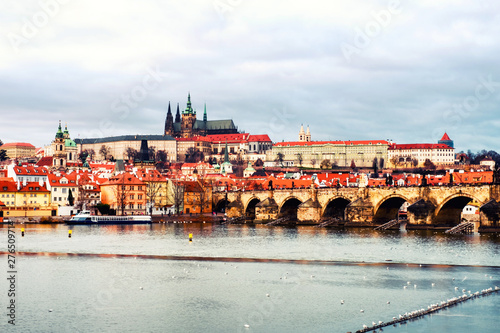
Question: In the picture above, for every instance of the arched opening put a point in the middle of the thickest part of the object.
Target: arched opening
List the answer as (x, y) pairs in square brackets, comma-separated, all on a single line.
[(220, 207), (388, 210), (336, 208), (250, 211), (451, 212), (289, 208)]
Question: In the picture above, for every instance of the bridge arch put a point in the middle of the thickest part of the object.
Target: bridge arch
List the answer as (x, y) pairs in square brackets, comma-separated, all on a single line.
[(250, 207), (450, 210), (289, 207), (221, 205), (388, 208), (335, 207)]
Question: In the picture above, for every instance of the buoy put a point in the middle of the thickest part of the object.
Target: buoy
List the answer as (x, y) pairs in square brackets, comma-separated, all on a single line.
[(22, 232), (69, 233), (190, 237)]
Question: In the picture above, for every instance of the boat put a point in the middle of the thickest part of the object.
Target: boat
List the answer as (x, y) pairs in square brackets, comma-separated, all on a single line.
[(85, 217)]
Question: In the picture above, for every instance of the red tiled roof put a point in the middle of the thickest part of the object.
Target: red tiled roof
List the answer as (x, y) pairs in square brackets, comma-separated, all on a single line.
[(194, 138), (124, 179), (229, 138), (35, 187), (45, 161), (259, 138), (29, 171), (318, 143), (445, 137), (18, 144), (419, 146), (9, 184)]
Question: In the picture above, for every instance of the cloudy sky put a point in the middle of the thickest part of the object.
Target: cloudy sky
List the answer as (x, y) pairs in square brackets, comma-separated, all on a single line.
[(351, 70)]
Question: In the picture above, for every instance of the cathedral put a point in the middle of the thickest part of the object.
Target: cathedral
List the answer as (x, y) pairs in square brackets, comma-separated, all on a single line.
[(186, 125)]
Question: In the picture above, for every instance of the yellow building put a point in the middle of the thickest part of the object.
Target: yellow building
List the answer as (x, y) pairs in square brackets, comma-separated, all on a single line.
[(25, 199), (125, 193), (157, 190), (19, 149), (339, 153)]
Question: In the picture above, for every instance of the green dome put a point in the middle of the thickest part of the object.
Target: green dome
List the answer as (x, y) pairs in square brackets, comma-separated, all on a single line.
[(69, 143)]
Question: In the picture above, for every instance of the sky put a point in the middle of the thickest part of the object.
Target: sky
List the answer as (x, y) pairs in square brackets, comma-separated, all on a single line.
[(350, 70)]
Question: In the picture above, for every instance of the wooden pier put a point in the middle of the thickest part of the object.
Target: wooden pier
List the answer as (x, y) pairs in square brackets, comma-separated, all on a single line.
[(407, 316)]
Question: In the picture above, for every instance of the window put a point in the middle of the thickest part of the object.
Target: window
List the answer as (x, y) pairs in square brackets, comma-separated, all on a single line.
[(132, 197), (131, 188), (64, 190)]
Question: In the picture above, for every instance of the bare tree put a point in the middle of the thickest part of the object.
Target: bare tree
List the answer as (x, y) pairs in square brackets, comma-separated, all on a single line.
[(121, 192), (313, 162), (91, 154), (326, 164), (204, 197), (152, 191), (161, 156), (152, 153), (131, 153), (3, 153), (279, 158), (175, 195), (194, 155), (300, 159), (104, 151)]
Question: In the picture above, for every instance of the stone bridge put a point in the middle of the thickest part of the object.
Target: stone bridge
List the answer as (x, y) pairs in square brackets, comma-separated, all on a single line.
[(432, 205)]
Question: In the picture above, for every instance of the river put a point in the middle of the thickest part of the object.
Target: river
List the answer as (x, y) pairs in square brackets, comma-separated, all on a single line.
[(244, 278)]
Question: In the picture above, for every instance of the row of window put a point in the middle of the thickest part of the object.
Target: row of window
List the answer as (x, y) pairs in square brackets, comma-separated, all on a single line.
[(131, 206)]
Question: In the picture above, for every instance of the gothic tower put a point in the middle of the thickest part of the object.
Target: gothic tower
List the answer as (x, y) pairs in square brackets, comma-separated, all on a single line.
[(302, 135), (59, 157), (169, 122), (178, 115), (188, 120), (308, 134)]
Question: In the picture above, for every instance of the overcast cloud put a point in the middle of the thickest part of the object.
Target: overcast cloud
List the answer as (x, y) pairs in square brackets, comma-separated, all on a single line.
[(351, 70)]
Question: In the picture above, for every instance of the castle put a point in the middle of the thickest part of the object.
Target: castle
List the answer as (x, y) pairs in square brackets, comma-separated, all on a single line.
[(187, 125)]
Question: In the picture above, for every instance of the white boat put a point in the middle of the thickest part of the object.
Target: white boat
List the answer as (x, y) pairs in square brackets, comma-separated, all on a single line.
[(85, 217)]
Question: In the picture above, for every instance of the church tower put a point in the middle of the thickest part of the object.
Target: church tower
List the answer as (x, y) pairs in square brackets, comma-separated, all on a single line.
[(188, 120), (59, 157), (446, 140), (302, 135), (169, 122), (308, 134), (178, 115)]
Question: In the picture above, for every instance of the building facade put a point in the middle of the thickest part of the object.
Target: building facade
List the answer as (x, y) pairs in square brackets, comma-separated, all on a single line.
[(19, 149), (117, 145)]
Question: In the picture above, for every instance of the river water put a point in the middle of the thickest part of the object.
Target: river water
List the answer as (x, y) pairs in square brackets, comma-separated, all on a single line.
[(242, 278)]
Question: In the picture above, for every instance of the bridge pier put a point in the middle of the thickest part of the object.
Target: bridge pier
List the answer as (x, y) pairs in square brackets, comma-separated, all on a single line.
[(489, 215), (309, 212), (234, 209), (421, 212), (266, 210), (360, 211)]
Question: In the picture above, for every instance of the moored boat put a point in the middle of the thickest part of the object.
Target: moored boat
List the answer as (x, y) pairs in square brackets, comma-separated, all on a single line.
[(84, 217)]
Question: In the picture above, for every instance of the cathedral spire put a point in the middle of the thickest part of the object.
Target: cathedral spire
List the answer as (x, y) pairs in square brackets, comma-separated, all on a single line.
[(169, 122), (301, 133), (178, 115), (189, 109), (205, 113), (59, 133)]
